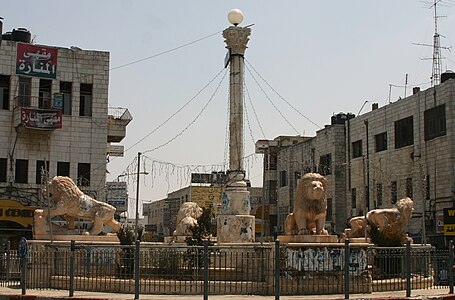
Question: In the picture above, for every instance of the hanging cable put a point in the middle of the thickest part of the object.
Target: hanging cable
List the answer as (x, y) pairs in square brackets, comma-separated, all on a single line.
[(192, 122), (287, 102), (165, 52), (271, 102), (254, 110)]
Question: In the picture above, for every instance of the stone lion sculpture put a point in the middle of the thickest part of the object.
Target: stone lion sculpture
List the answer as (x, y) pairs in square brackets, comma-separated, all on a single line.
[(71, 203), (187, 217), (310, 207), (393, 219), (398, 217)]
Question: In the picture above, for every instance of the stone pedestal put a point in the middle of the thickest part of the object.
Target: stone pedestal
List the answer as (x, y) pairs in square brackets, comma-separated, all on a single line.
[(308, 238), (235, 229)]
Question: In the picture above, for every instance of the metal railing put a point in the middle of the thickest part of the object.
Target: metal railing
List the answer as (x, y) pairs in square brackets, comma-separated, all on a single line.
[(264, 269)]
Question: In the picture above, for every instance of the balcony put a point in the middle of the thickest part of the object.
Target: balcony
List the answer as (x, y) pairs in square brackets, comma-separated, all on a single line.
[(43, 117), (118, 119)]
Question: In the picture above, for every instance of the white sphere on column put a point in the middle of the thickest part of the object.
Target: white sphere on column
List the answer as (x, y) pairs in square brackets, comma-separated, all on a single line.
[(235, 16)]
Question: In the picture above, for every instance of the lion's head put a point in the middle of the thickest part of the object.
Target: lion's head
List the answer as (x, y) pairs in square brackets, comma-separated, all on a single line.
[(405, 206), (63, 188), (312, 186)]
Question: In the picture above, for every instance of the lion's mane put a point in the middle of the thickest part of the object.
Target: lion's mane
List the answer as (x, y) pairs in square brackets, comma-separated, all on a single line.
[(309, 212)]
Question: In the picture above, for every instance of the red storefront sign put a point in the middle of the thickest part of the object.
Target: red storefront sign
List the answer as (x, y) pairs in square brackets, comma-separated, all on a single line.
[(41, 118)]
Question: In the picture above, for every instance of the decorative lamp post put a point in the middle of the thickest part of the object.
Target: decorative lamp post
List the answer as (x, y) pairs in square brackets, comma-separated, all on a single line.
[(235, 224)]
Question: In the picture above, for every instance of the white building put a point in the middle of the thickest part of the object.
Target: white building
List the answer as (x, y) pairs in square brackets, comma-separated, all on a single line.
[(54, 119)]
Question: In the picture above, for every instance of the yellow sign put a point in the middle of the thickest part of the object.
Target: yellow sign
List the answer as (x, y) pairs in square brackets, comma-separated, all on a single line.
[(449, 229), (206, 196), (13, 211)]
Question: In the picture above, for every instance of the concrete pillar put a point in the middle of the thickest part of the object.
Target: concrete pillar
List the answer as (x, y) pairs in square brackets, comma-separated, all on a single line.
[(234, 224)]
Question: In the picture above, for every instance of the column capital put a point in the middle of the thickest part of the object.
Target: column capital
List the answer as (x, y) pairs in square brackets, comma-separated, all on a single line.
[(236, 39)]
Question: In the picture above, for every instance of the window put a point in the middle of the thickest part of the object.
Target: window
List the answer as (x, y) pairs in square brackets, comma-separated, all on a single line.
[(427, 187), (3, 168), (44, 98), (4, 92), (85, 105), (404, 132), (379, 194), (393, 192), (63, 168), (435, 122), (329, 210), (40, 171), (283, 178), (65, 89), (25, 91), (297, 176), (409, 187), (353, 198), (381, 141), (325, 164), (357, 149), (83, 174), (21, 175)]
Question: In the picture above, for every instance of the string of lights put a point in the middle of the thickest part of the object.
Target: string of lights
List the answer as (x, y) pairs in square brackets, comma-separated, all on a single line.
[(254, 110)]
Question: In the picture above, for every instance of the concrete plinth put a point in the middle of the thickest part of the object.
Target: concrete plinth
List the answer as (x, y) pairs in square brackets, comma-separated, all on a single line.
[(308, 238), (110, 237), (235, 229)]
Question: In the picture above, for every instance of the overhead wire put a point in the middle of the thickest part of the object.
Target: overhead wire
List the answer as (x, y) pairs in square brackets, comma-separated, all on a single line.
[(281, 97), (192, 122), (271, 102), (165, 52)]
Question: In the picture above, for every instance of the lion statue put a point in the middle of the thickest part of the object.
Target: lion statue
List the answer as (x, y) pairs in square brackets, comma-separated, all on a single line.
[(71, 203), (392, 219), (187, 217), (310, 207), (397, 217)]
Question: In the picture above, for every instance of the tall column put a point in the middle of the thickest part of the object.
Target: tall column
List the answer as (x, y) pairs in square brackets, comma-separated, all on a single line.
[(234, 224)]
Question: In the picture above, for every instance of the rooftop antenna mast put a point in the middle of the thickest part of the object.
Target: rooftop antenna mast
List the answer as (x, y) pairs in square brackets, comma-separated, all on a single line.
[(436, 67), (436, 70)]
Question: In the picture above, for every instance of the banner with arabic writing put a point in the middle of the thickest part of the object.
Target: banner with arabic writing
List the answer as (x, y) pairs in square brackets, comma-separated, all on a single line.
[(37, 61), (41, 118)]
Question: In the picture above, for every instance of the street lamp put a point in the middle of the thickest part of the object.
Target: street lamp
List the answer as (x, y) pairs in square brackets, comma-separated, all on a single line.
[(235, 16)]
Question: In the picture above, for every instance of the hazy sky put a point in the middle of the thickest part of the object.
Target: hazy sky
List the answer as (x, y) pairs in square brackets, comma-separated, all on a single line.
[(320, 57)]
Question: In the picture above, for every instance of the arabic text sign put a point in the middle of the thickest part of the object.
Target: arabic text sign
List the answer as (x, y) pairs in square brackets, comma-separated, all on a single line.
[(41, 118), (37, 61)]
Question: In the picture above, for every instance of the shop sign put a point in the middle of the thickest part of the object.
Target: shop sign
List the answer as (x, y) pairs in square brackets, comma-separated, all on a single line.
[(14, 211)]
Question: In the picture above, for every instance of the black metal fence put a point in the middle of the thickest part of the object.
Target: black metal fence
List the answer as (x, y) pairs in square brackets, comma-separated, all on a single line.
[(264, 269)]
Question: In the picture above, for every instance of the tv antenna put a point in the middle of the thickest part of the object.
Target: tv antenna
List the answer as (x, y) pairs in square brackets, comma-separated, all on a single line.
[(436, 68)]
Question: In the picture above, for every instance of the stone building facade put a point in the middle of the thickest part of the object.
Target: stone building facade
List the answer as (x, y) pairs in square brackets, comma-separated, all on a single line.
[(371, 161), (54, 121)]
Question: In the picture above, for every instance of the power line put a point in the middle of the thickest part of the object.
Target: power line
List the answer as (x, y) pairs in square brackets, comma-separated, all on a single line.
[(165, 52)]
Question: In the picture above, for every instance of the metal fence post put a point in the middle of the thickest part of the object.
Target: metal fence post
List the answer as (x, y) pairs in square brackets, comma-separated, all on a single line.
[(408, 268), (23, 280), (450, 270), (73, 249), (137, 270), (277, 270), (8, 260), (347, 254), (206, 270)]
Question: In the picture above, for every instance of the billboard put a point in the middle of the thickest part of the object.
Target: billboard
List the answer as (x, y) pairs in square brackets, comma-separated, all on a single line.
[(14, 211), (36, 61)]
